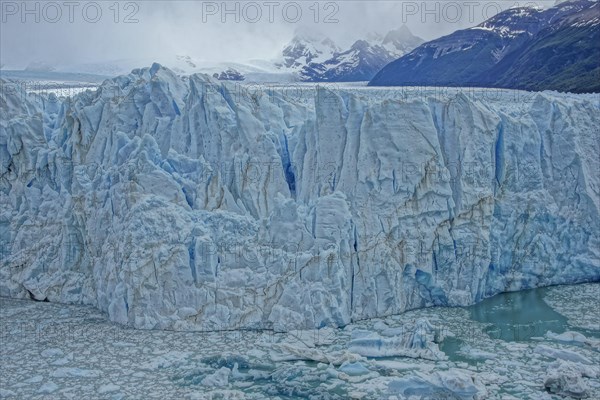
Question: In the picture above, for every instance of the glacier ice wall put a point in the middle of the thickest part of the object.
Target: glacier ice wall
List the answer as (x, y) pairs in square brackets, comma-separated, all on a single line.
[(186, 203)]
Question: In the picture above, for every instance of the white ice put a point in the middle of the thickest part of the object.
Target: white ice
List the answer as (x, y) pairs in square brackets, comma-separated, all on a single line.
[(190, 204)]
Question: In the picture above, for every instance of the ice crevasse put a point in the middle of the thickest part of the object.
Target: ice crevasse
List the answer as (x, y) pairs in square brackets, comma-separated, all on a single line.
[(186, 203)]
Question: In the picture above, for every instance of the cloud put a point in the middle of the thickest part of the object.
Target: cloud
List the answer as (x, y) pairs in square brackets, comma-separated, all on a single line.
[(68, 33)]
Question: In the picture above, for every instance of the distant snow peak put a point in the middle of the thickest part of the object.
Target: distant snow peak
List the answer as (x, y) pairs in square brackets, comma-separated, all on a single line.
[(400, 41), (374, 37), (513, 22), (230, 74), (304, 49), (360, 62)]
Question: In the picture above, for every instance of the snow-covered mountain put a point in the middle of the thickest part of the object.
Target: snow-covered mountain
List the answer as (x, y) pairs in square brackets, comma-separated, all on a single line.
[(186, 203), (304, 49), (308, 57), (525, 48), (401, 41), (359, 63), (229, 74), (321, 60)]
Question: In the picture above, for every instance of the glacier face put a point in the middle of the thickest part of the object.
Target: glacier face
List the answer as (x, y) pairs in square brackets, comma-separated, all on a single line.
[(187, 203)]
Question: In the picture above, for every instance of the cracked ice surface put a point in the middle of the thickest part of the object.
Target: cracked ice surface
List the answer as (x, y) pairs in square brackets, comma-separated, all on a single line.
[(562, 301), (181, 203), (69, 351)]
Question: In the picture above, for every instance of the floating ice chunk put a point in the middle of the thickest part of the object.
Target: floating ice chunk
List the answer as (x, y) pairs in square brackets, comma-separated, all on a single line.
[(5, 393), (588, 371), (573, 337), (218, 379), (48, 387), (52, 353), (566, 379), (235, 372), (311, 345), (460, 384), (476, 354), (311, 338), (34, 379), (74, 372), (562, 354), (567, 337), (217, 394), (63, 360), (108, 388), (402, 366), (353, 372), (354, 369), (286, 352), (418, 341)]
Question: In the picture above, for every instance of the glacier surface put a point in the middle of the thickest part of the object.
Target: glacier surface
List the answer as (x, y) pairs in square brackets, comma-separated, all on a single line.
[(191, 204)]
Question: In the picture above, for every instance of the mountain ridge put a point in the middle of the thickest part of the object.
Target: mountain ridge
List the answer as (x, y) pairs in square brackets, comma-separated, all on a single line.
[(520, 48), (321, 60)]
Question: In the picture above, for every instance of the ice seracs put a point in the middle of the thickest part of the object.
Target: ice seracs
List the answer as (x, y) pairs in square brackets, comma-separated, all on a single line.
[(318, 59), (304, 48), (192, 204)]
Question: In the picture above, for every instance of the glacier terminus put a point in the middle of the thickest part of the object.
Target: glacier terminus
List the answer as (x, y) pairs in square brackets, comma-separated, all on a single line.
[(186, 203)]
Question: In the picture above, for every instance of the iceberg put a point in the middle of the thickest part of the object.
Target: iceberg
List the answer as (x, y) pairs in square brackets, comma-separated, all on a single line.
[(453, 383), (417, 341), (565, 379), (187, 203)]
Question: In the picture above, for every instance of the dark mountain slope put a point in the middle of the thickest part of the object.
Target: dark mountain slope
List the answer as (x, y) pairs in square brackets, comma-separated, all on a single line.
[(521, 48)]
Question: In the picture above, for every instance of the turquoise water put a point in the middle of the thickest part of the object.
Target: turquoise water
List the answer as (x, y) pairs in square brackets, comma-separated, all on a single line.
[(518, 316), (521, 316)]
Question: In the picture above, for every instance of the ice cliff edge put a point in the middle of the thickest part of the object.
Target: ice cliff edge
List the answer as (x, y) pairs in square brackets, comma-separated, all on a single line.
[(188, 203)]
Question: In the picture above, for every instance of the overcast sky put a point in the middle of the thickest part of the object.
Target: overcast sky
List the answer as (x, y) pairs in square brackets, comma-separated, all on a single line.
[(88, 32)]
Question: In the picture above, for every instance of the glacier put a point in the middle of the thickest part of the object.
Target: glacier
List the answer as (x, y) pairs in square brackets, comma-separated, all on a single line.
[(186, 203)]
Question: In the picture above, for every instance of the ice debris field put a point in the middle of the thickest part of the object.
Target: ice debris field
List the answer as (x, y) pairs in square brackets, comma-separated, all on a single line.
[(74, 352)]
